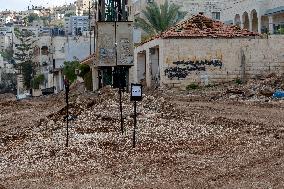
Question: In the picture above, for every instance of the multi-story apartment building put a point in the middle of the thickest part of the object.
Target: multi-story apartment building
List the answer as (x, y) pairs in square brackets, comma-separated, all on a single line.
[(76, 25), (6, 38), (261, 16)]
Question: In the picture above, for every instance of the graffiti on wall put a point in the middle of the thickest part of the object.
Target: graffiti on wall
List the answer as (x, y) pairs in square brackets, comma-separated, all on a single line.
[(125, 52), (184, 68), (106, 55)]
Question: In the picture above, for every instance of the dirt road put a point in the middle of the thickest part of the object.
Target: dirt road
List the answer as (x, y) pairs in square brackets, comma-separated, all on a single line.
[(183, 141)]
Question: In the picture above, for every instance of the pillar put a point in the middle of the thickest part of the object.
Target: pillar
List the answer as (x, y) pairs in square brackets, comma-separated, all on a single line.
[(250, 22), (259, 24), (242, 22), (95, 77), (148, 68), (60, 80), (271, 29)]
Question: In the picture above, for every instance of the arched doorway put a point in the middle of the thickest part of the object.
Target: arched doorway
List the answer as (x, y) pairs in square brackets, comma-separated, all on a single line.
[(237, 20), (254, 20), (264, 24), (246, 20)]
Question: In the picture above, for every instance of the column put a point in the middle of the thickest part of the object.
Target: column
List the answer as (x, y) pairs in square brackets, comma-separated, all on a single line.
[(95, 77), (242, 22), (148, 68), (259, 24), (250, 22), (271, 29), (60, 81)]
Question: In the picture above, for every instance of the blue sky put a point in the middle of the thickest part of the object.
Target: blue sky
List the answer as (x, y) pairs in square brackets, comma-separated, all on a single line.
[(23, 4)]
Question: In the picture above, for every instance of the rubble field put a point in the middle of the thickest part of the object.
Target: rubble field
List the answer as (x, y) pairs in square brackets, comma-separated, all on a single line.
[(227, 136)]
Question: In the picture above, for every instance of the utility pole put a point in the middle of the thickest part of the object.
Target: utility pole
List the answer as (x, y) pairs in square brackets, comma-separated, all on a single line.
[(90, 32)]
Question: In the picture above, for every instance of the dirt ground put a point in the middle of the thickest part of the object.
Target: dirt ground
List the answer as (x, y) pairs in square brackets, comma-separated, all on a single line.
[(198, 139)]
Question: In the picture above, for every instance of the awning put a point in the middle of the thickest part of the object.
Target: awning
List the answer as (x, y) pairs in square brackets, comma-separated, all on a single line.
[(277, 10)]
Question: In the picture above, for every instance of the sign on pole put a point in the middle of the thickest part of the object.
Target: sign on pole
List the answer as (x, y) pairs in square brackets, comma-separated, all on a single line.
[(136, 95)]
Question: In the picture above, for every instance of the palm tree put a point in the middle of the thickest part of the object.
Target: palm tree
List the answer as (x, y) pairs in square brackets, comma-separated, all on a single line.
[(159, 19)]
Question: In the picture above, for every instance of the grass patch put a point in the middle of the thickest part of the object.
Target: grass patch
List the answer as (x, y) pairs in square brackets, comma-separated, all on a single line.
[(192, 86), (238, 81)]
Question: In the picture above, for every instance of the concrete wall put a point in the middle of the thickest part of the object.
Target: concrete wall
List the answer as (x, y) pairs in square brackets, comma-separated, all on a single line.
[(220, 60), (78, 48), (205, 61)]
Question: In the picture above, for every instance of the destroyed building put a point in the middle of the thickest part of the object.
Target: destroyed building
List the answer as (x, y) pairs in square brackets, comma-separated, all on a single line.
[(202, 50)]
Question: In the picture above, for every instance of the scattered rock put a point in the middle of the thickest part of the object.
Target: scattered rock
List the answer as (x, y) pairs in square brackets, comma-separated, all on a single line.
[(267, 91)]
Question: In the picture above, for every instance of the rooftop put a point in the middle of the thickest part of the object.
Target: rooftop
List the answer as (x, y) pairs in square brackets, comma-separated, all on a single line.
[(200, 26)]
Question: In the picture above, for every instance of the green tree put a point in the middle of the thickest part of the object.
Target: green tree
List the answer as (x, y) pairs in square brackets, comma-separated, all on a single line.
[(45, 20), (69, 70), (24, 55), (32, 17), (39, 79), (69, 14), (7, 54), (8, 83), (158, 19)]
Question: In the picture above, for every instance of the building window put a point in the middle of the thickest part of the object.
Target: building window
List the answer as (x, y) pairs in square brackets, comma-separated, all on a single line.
[(216, 15)]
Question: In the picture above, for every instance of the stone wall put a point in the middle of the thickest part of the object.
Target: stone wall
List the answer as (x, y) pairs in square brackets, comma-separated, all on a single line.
[(220, 60)]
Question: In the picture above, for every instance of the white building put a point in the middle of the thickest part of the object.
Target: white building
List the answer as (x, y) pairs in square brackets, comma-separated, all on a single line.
[(76, 25), (261, 16), (6, 37)]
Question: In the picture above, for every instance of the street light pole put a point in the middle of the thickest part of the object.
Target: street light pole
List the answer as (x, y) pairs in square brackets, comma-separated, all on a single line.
[(90, 32)]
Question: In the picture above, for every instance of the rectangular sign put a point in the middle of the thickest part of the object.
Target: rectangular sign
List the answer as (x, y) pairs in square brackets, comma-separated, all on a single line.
[(136, 92)]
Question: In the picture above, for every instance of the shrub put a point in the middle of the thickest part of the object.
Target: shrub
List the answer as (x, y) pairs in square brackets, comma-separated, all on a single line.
[(192, 86), (39, 79), (238, 81)]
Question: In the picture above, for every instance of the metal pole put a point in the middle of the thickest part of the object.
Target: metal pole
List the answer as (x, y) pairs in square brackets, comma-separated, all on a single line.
[(94, 39), (90, 32), (67, 113), (120, 104), (135, 115)]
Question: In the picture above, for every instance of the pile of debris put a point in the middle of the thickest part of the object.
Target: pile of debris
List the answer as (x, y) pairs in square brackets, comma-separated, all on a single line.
[(94, 135), (201, 26), (267, 88)]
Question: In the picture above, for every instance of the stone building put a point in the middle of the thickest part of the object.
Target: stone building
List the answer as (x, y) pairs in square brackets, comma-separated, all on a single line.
[(262, 16), (204, 51)]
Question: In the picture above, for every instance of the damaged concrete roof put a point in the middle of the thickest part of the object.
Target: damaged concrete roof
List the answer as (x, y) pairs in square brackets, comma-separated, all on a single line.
[(89, 59), (200, 26)]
